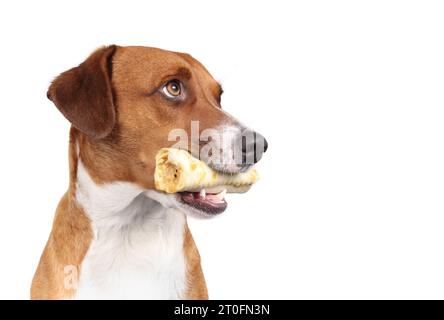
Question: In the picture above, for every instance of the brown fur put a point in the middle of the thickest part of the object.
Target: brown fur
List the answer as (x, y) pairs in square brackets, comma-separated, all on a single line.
[(84, 94), (67, 244), (119, 122), (197, 288)]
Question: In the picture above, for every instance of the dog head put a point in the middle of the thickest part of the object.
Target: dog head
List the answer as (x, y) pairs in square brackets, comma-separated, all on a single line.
[(126, 103)]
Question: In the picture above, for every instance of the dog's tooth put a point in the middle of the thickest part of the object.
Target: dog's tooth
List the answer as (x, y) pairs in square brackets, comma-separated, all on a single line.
[(221, 195), (203, 193)]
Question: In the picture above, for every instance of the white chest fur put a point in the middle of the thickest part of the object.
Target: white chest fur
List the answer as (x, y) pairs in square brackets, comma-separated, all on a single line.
[(137, 250)]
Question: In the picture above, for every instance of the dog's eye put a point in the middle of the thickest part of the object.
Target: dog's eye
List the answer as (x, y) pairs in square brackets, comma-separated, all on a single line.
[(172, 89)]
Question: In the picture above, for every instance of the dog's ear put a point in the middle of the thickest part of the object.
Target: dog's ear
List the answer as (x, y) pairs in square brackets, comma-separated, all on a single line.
[(84, 94)]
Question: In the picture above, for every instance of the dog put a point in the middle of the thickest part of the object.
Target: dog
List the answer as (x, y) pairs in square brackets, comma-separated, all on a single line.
[(114, 236)]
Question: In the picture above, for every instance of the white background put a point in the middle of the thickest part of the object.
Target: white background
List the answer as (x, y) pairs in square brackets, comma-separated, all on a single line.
[(348, 93)]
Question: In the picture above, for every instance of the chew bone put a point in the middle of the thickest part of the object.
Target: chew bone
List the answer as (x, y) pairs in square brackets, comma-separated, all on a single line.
[(176, 171)]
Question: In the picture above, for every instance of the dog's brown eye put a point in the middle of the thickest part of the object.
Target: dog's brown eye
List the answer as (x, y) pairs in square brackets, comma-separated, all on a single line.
[(172, 89)]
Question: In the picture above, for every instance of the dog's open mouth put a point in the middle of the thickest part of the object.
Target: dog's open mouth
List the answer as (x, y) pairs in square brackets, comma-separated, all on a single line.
[(197, 186), (206, 202)]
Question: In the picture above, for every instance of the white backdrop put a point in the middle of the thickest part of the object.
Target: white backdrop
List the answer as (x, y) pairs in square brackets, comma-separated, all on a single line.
[(348, 93)]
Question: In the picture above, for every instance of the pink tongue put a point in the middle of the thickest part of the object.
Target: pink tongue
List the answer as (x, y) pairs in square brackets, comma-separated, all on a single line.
[(209, 197), (213, 198)]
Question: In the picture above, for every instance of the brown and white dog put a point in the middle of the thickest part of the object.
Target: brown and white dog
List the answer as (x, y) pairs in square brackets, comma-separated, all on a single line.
[(113, 235)]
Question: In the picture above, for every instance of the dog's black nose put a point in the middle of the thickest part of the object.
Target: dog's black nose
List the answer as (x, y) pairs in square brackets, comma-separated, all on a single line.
[(265, 145), (253, 147)]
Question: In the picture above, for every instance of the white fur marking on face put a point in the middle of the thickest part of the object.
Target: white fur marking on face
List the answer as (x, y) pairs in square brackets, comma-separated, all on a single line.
[(137, 252), (231, 155)]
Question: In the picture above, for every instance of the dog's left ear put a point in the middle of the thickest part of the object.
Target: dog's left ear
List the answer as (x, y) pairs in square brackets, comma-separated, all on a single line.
[(84, 94)]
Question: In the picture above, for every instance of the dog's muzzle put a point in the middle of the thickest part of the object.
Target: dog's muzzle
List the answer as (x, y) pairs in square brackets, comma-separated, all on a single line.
[(234, 150)]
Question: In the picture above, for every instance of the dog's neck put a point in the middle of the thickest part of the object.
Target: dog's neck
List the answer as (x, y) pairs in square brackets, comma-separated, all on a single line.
[(114, 205), (138, 242)]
